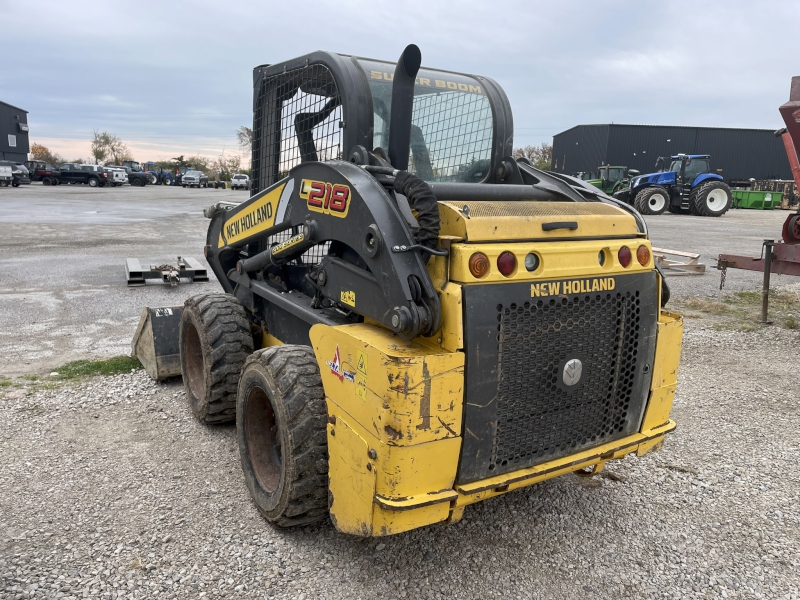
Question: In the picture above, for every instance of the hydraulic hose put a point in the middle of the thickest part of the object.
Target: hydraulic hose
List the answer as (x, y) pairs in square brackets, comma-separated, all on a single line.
[(420, 198)]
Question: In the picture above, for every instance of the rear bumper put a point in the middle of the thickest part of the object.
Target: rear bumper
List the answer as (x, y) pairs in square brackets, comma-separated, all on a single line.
[(393, 463)]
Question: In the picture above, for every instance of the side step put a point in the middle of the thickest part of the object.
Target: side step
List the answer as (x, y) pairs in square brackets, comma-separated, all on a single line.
[(186, 268), (155, 342)]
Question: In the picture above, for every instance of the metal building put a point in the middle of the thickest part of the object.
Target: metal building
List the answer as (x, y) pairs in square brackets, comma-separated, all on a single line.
[(737, 154), (14, 144)]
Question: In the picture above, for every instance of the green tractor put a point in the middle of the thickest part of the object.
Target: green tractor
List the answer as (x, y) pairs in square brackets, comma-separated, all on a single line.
[(613, 179)]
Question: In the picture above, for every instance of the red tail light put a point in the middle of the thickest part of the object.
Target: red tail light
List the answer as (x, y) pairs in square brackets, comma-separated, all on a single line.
[(624, 256), (506, 263)]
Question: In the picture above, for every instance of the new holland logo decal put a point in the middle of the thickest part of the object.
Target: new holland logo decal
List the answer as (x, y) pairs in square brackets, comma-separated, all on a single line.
[(574, 286)]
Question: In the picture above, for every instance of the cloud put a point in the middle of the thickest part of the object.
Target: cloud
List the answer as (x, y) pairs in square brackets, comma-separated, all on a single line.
[(182, 76)]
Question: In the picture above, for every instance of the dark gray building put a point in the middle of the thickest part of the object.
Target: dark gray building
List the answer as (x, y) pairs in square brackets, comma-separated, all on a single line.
[(14, 144), (740, 153)]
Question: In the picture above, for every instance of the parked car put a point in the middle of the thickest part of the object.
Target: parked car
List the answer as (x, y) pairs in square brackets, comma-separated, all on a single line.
[(5, 176), (73, 174), (41, 171), (135, 178), (240, 182), (194, 179), (118, 175), (19, 173)]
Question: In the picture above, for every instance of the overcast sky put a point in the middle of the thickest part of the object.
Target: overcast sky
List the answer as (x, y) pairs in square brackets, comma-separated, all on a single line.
[(176, 78)]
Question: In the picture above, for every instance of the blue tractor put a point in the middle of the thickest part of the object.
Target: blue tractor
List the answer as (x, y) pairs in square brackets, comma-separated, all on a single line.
[(687, 186), (158, 176)]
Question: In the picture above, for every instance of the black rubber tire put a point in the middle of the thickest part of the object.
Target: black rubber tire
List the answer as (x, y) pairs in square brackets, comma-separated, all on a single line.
[(215, 339), (45, 181), (281, 420), (698, 199), (93, 182), (643, 201)]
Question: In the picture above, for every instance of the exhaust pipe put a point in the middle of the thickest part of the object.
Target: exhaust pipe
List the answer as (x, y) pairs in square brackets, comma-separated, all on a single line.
[(402, 104)]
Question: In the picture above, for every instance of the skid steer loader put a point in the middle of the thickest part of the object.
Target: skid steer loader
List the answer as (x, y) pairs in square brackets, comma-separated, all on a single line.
[(412, 320)]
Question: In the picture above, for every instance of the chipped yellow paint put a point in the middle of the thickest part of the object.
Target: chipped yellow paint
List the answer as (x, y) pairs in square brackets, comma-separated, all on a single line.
[(378, 489), (413, 393), (665, 370), (495, 221), (352, 485), (639, 443)]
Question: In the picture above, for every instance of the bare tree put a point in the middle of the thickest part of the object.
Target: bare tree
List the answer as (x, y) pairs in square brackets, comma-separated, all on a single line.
[(225, 166), (99, 151), (541, 156), (107, 145), (245, 137)]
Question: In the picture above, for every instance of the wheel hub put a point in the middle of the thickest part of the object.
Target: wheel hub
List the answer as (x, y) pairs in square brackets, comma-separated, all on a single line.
[(263, 446)]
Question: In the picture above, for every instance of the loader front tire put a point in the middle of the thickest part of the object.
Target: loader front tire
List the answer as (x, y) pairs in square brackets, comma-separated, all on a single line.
[(281, 421), (215, 340)]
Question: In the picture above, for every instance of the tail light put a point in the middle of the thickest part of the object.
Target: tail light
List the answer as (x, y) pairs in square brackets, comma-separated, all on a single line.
[(478, 265), (643, 255), (624, 255), (506, 263)]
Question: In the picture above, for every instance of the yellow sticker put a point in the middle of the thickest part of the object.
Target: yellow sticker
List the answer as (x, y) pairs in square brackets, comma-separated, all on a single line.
[(361, 386), (362, 364), (348, 298)]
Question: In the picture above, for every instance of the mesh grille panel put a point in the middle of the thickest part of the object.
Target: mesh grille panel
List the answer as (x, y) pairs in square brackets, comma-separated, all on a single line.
[(538, 417), (457, 130), (296, 119)]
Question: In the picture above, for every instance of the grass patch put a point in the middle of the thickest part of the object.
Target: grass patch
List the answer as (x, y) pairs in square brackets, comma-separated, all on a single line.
[(31, 377), (89, 368), (742, 310), (6, 383)]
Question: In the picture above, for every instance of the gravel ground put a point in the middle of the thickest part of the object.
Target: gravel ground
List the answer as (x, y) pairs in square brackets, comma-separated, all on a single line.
[(111, 489)]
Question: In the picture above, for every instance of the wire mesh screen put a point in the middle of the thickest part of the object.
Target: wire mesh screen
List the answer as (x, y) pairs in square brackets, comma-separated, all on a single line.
[(297, 119), (451, 136)]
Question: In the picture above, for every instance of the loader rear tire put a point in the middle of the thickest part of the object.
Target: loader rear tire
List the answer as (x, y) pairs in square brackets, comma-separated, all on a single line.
[(651, 201), (215, 340), (712, 199), (281, 421)]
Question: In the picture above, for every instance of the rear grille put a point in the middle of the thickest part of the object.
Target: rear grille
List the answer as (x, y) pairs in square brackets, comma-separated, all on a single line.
[(519, 411), (537, 416)]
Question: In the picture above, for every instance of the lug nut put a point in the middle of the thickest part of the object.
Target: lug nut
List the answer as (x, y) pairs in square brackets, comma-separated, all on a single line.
[(372, 454)]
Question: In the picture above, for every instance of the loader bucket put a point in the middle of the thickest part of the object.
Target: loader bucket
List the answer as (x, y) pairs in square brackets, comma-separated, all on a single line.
[(155, 342)]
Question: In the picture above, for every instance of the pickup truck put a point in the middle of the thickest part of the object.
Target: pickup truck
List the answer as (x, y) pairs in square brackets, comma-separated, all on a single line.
[(194, 179), (240, 182), (119, 176), (72, 173), (41, 171), (136, 178)]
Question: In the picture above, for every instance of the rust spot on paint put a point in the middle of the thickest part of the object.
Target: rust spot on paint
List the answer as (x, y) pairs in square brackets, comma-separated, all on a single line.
[(425, 399), (393, 433)]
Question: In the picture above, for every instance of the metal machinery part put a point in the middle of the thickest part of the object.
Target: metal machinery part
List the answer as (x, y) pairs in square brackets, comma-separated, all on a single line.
[(185, 267), (783, 257), (375, 187)]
